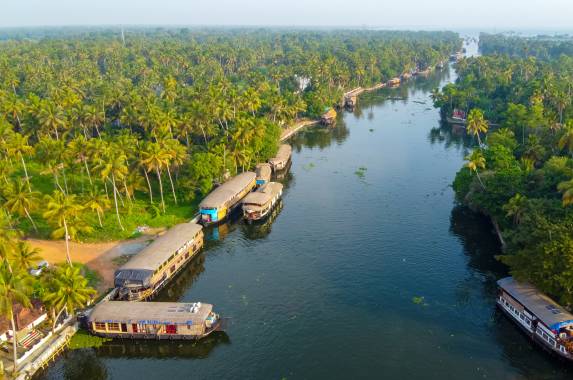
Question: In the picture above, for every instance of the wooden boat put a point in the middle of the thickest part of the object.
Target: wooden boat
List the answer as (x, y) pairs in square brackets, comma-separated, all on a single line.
[(153, 320), (541, 318), (263, 172), (217, 206), (458, 117), (281, 160), (258, 204), (149, 270), (350, 101), (329, 117), (394, 82), (406, 76), (424, 72)]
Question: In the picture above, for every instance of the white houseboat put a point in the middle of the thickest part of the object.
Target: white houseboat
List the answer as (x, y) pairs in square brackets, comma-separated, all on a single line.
[(547, 323)]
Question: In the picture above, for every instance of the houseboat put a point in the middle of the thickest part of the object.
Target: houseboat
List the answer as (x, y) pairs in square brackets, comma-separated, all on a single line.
[(258, 204), (350, 101), (149, 270), (394, 82), (263, 172), (153, 320), (406, 76), (219, 204), (547, 323), (281, 160), (458, 117), (329, 117), (425, 72)]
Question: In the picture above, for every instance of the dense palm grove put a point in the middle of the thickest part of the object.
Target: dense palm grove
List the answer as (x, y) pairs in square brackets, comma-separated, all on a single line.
[(100, 134), (522, 173)]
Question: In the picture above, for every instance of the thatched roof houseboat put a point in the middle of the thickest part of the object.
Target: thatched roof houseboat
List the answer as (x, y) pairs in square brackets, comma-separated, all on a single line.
[(149, 270), (280, 161), (264, 173), (258, 204), (218, 205), (329, 117), (153, 320)]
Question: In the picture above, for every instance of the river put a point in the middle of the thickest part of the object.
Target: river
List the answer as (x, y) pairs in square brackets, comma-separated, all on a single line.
[(369, 270)]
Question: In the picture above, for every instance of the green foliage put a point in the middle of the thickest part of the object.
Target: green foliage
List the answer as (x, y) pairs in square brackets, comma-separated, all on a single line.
[(83, 339)]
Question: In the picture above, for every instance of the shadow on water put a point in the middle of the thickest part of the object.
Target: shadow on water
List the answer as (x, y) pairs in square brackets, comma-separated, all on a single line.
[(321, 136), (260, 230), (183, 280)]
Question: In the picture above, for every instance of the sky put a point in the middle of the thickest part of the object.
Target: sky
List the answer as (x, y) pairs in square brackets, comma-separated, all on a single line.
[(501, 15)]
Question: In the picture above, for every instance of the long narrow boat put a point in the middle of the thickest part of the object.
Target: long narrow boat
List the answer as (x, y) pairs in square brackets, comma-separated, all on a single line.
[(257, 205), (264, 172), (219, 204), (541, 318), (153, 320), (281, 160), (149, 270)]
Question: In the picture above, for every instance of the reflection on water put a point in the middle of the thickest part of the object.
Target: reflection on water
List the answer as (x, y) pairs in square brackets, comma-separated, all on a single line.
[(261, 229)]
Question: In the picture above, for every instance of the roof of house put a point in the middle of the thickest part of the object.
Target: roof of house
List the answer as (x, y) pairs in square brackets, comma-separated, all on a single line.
[(543, 307), (228, 190), (156, 253), (175, 313)]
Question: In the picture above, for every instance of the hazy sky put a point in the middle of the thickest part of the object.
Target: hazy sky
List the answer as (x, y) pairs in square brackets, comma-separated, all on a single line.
[(502, 14)]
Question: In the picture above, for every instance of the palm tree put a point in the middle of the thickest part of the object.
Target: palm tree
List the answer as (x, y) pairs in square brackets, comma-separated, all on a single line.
[(476, 161), (14, 289), (24, 256), (476, 123), (113, 165), (97, 202), (516, 207), (566, 187), (18, 146), (69, 290), (21, 201), (64, 212), (566, 141), (154, 158), (8, 236)]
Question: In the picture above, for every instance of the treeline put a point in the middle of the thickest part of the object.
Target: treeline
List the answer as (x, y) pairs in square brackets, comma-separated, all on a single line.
[(540, 47), (141, 124), (520, 171)]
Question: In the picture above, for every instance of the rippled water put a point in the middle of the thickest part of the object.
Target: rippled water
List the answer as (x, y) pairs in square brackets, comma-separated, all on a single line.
[(369, 270)]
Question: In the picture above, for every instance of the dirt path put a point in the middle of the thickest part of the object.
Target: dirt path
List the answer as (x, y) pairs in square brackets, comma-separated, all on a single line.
[(100, 257)]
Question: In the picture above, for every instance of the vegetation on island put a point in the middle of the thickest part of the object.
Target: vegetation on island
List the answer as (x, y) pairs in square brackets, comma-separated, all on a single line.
[(99, 135), (520, 171)]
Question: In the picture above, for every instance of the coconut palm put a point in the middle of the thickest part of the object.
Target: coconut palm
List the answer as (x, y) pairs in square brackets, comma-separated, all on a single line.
[(516, 207), (476, 161), (20, 201), (154, 157), (19, 147), (98, 202), (112, 166), (14, 289), (566, 140), (566, 187), (8, 236), (69, 290), (64, 213), (24, 256), (476, 123)]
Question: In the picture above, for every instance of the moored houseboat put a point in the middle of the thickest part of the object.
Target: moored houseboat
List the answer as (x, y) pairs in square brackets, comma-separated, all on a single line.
[(282, 158), (219, 204), (394, 82), (458, 117), (329, 117), (547, 323), (153, 320), (258, 204), (264, 173), (149, 270)]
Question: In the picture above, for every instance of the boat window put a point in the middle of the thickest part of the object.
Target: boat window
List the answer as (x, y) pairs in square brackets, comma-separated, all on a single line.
[(113, 326), (100, 326)]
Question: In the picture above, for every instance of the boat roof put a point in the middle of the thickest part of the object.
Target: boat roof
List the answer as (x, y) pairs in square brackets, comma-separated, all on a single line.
[(543, 307), (169, 313), (263, 170), (156, 253), (263, 194), (330, 113), (283, 153), (227, 190)]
